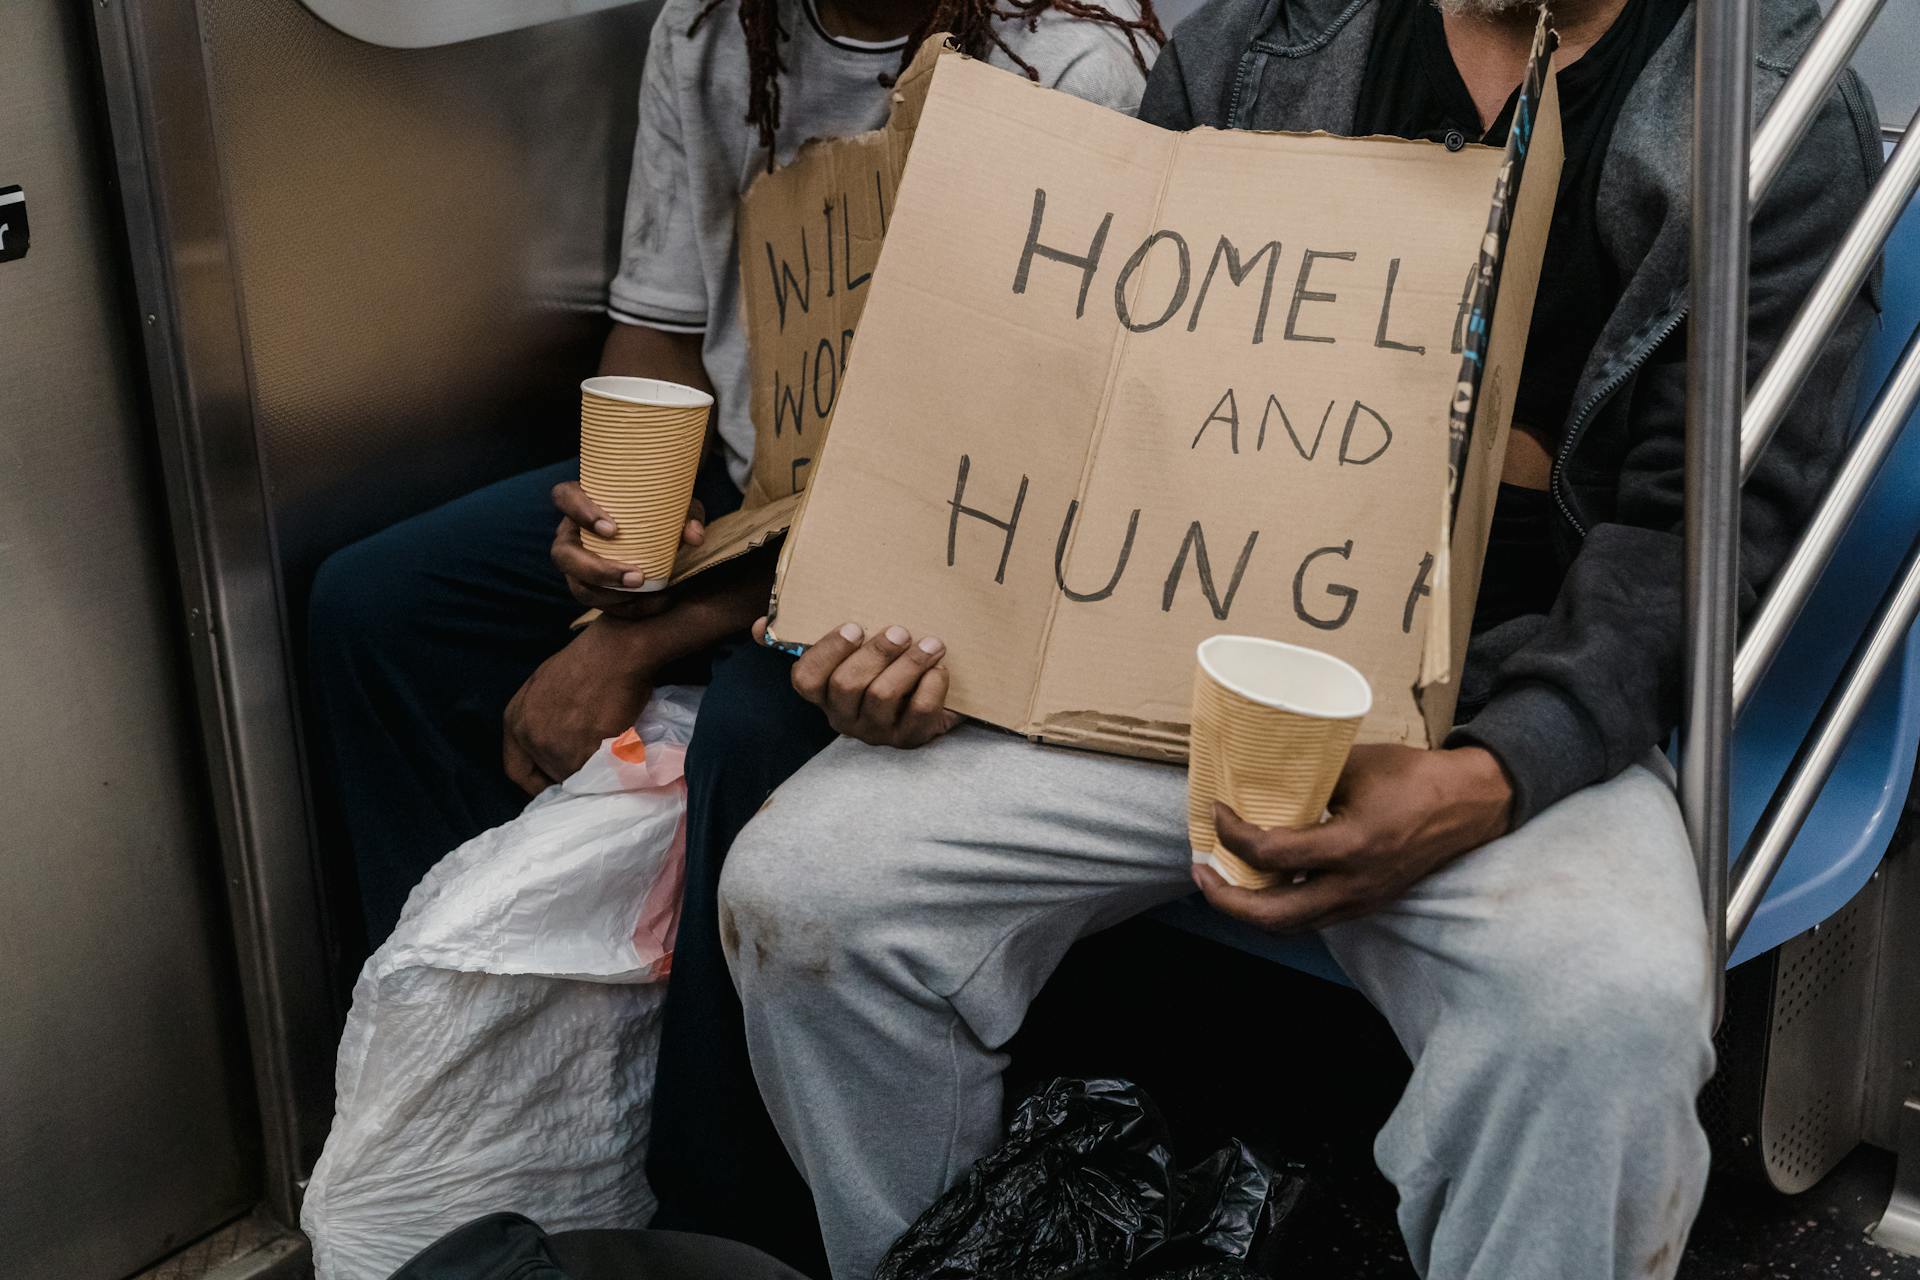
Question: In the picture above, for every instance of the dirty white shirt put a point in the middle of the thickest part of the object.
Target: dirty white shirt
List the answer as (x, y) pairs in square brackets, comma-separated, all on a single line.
[(694, 156)]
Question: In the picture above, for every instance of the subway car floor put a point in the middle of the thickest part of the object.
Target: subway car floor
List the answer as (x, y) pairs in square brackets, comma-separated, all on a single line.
[(1151, 1004)]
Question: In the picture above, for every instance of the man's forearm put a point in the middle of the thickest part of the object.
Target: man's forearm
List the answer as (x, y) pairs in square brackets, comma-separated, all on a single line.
[(635, 351)]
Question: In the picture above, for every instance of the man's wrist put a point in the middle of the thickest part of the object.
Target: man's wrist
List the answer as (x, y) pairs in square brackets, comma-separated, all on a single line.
[(1488, 786)]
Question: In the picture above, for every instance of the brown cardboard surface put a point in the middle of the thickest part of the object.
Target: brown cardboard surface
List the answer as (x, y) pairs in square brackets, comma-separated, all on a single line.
[(1121, 389)]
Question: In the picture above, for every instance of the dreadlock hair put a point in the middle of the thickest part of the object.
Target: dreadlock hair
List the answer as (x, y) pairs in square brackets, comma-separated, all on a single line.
[(973, 24)]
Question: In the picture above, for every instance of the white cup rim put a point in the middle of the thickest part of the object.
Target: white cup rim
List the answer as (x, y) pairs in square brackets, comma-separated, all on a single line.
[(1357, 699), (654, 392)]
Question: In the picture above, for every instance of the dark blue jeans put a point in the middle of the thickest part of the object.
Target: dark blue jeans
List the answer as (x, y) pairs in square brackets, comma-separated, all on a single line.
[(715, 1160), (420, 635)]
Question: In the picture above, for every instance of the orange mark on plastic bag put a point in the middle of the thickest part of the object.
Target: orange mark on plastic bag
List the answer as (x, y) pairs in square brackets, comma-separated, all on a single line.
[(629, 749)]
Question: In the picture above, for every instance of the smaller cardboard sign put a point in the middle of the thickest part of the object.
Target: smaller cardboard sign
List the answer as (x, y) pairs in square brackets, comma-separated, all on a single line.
[(1121, 389), (809, 236)]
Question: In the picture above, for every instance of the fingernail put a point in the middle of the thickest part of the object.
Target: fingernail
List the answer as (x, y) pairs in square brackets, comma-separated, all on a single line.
[(897, 635), (932, 644), (633, 578), (605, 528), (1194, 872), (852, 633)]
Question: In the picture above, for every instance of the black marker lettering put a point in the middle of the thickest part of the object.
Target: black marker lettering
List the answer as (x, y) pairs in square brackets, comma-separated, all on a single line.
[(827, 210), (1346, 437), (1380, 338), (1344, 593), (1303, 294), (789, 400), (1274, 406), (1420, 588), (1010, 524), (1466, 307), (783, 277), (1120, 305), (823, 359), (1197, 541), (846, 244), (1088, 262), (1238, 273), (1119, 565), (1227, 411)]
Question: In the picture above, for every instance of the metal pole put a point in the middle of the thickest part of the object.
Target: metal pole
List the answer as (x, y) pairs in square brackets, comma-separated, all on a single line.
[(1798, 791), (1808, 334), (1797, 578), (1806, 90), (1716, 394)]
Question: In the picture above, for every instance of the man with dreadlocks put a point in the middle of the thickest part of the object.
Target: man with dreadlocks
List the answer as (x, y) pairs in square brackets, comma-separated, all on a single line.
[(430, 635), (1522, 904)]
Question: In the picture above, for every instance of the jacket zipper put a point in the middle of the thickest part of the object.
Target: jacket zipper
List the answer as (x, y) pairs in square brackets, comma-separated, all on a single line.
[(1600, 396)]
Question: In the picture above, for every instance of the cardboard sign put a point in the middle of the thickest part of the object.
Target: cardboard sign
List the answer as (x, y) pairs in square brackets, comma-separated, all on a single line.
[(1120, 389), (809, 236)]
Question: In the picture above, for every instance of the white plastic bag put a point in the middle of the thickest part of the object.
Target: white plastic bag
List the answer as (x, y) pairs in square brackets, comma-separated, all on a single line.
[(500, 1049)]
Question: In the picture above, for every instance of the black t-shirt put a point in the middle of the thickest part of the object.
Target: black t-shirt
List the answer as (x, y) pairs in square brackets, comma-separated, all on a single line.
[(1411, 89)]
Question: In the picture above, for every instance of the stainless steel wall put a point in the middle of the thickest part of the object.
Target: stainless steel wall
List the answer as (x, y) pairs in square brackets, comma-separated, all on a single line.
[(370, 279), (121, 1050), (422, 239)]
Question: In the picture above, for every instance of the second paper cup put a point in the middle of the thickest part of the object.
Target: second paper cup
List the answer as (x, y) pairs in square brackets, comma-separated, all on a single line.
[(1272, 726), (640, 446)]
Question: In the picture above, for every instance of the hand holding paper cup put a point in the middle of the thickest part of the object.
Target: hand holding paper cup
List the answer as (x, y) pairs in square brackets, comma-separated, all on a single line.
[(1272, 726), (640, 446)]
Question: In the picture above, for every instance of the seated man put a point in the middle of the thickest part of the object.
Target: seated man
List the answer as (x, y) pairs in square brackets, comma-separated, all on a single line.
[(428, 636), (1521, 905)]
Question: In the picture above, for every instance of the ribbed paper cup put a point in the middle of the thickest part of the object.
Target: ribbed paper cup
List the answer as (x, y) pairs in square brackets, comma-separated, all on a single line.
[(1272, 726), (640, 446)]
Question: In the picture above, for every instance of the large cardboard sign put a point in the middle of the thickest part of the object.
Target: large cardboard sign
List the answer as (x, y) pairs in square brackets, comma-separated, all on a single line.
[(809, 236), (1119, 389)]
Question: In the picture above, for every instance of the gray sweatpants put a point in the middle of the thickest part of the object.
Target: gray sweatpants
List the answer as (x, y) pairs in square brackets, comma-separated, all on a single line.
[(891, 914)]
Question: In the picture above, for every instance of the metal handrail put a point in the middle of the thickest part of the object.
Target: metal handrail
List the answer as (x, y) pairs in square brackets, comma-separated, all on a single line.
[(1787, 811), (1716, 386), (1806, 91), (1821, 312), (1796, 579)]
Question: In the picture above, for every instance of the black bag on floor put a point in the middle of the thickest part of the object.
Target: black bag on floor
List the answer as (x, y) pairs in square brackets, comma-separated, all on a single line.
[(1085, 1186), (506, 1246)]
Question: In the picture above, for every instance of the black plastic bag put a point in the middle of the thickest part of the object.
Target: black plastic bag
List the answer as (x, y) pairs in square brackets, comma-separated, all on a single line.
[(1085, 1186), (508, 1246)]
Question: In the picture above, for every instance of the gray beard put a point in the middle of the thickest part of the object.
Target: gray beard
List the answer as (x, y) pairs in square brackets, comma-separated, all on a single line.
[(1483, 8)]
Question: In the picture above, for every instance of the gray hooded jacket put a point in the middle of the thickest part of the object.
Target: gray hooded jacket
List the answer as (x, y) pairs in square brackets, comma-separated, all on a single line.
[(1572, 697)]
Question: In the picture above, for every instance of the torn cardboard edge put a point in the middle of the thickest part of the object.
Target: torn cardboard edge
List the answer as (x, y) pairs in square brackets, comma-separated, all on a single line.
[(1498, 323), (736, 534)]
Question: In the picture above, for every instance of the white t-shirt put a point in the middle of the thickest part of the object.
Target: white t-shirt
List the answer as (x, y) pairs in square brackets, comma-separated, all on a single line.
[(694, 156)]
